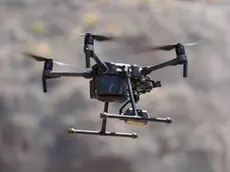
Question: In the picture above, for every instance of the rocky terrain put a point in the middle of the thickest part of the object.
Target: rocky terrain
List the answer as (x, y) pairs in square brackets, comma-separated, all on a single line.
[(33, 134)]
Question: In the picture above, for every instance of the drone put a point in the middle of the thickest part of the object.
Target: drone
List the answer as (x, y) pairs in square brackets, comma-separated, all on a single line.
[(116, 82)]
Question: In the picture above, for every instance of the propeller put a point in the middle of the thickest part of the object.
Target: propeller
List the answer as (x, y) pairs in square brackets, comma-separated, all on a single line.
[(40, 59), (48, 65), (166, 47), (100, 38)]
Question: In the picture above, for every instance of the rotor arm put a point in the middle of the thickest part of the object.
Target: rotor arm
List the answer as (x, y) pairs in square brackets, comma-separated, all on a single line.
[(148, 69), (48, 74), (54, 74), (102, 66)]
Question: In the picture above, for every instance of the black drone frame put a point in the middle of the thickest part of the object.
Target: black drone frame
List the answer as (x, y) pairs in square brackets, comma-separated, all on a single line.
[(181, 59)]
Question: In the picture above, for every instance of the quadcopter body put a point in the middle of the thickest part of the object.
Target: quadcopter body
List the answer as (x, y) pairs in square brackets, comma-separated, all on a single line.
[(112, 86), (116, 82)]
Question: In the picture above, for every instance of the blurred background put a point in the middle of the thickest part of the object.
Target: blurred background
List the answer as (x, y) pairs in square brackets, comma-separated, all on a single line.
[(33, 125)]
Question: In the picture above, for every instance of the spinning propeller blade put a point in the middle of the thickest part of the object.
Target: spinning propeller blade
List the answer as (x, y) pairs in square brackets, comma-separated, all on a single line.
[(166, 47), (101, 38), (40, 58), (35, 57)]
